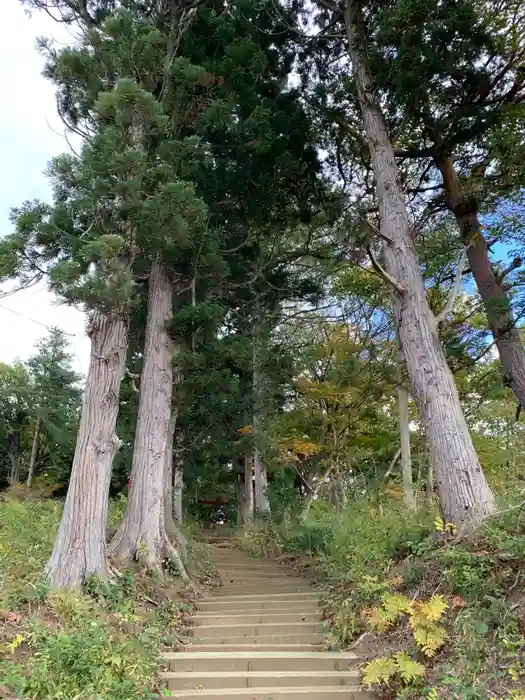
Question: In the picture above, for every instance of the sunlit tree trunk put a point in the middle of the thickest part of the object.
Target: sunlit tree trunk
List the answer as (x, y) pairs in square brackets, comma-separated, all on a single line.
[(465, 496), (80, 545), (249, 504), (34, 452), (262, 503), (403, 399)]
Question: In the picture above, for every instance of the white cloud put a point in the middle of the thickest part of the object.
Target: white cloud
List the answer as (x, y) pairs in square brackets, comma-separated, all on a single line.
[(30, 135)]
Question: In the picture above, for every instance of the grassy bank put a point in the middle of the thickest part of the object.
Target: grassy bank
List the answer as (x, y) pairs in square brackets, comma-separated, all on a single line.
[(103, 642), (436, 617)]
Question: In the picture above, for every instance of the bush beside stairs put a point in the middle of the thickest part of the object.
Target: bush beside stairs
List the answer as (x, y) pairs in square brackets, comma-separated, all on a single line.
[(260, 637)]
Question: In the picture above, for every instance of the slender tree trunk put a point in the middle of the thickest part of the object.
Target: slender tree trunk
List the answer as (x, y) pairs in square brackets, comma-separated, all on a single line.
[(170, 524), (34, 452), (142, 534), (168, 476), (430, 482), (14, 473), (465, 496), (178, 484), (403, 397), (248, 490), (240, 491), (314, 491), (178, 441), (262, 504), (406, 459), (495, 299), (80, 545)]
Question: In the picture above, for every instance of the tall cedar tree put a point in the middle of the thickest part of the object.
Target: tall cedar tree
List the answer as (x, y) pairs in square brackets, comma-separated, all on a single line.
[(261, 184), (118, 205), (463, 106), (452, 81), (464, 493)]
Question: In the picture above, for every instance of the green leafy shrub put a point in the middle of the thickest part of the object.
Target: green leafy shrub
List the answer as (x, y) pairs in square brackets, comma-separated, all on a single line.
[(103, 641)]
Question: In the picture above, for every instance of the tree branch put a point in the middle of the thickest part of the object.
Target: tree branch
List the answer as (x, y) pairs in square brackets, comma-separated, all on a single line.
[(455, 288), (383, 273), (514, 265)]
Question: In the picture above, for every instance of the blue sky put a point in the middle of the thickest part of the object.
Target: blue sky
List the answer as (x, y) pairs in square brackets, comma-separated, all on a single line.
[(30, 135)]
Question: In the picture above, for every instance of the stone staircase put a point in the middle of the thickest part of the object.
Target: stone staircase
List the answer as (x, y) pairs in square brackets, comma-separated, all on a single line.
[(260, 637)]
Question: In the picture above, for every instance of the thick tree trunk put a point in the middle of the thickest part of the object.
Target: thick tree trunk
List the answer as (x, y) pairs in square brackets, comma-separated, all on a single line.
[(80, 545), (142, 534), (34, 452), (262, 504), (495, 299), (465, 496)]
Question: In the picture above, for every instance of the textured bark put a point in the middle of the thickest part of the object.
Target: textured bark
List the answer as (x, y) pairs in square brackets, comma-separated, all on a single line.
[(262, 504), (142, 534), (495, 299), (80, 545), (464, 494), (34, 452)]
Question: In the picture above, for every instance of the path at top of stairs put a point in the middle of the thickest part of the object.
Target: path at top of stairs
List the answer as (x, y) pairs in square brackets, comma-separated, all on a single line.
[(260, 637)]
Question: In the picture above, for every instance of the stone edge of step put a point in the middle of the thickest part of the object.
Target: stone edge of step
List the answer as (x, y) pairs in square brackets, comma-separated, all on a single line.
[(335, 655), (272, 692)]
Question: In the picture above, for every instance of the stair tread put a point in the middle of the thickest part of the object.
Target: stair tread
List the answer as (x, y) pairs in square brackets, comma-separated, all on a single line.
[(169, 655), (259, 674), (270, 691)]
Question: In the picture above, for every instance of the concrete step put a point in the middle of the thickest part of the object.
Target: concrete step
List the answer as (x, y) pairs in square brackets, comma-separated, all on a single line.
[(245, 646), (248, 563), (258, 629), (262, 661), (279, 582), (231, 589), (251, 575), (258, 679), (279, 639), (235, 607), (348, 692), (249, 598), (253, 593), (241, 618)]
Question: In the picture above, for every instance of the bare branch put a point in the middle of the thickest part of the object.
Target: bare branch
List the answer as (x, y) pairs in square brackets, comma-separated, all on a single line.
[(383, 273)]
